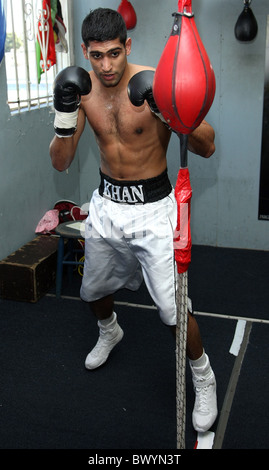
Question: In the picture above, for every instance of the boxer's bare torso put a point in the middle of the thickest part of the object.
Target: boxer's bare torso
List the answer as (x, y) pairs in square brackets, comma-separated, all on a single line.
[(132, 140)]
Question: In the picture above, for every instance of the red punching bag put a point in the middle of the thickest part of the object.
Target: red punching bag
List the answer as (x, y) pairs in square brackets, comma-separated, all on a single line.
[(127, 11), (184, 82)]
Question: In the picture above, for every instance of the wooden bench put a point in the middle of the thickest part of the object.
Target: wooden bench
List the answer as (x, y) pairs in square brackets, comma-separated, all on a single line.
[(30, 272)]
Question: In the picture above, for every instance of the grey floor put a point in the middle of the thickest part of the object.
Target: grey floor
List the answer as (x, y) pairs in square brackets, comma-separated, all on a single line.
[(48, 400)]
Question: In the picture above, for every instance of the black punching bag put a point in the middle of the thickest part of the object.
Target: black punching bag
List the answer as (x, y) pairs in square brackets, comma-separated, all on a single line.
[(246, 27)]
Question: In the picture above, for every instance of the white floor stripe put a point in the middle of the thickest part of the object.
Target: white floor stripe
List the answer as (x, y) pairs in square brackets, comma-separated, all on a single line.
[(230, 392), (205, 440), (238, 337)]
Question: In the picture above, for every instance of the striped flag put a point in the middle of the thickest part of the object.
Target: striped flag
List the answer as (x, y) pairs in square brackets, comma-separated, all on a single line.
[(45, 46), (2, 30)]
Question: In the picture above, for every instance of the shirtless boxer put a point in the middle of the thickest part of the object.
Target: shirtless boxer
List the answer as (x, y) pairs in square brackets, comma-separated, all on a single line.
[(132, 215)]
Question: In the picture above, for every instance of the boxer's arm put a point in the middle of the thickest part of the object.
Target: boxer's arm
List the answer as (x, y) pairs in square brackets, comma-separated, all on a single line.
[(201, 140), (69, 85), (62, 150)]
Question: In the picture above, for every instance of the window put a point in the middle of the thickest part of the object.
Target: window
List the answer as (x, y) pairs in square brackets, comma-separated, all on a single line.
[(37, 47)]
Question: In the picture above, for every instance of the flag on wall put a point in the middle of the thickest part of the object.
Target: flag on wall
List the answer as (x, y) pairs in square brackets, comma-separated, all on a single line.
[(56, 36), (45, 46), (2, 30)]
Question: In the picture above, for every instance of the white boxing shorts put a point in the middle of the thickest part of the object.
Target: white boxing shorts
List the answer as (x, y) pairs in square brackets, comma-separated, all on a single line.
[(127, 241)]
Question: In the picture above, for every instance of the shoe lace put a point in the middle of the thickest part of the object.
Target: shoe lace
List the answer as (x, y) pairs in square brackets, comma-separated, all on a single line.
[(97, 348), (202, 391), (102, 342)]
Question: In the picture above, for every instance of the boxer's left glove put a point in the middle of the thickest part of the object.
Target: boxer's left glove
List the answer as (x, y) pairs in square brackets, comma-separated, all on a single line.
[(69, 85), (140, 89)]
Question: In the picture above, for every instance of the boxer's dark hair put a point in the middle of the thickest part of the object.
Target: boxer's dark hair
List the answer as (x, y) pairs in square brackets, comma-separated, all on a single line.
[(103, 24)]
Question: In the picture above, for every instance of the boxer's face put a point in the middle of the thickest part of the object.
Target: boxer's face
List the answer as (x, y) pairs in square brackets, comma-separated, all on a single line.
[(108, 59)]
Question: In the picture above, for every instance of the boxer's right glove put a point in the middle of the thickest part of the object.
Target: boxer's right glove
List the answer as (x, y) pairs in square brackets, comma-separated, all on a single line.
[(69, 85)]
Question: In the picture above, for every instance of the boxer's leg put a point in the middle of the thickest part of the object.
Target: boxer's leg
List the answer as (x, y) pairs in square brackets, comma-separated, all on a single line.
[(109, 266), (110, 333), (159, 275), (194, 345), (204, 383), (203, 378), (102, 308), (194, 340)]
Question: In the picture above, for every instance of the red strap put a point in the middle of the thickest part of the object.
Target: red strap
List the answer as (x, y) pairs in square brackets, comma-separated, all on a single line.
[(184, 5)]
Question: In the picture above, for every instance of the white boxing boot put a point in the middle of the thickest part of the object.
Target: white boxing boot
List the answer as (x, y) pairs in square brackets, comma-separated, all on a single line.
[(205, 407), (110, 333)]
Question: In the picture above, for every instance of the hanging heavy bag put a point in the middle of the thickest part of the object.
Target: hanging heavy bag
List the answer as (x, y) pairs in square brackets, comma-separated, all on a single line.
[(184, 82), (246, 27), (127, 11)]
